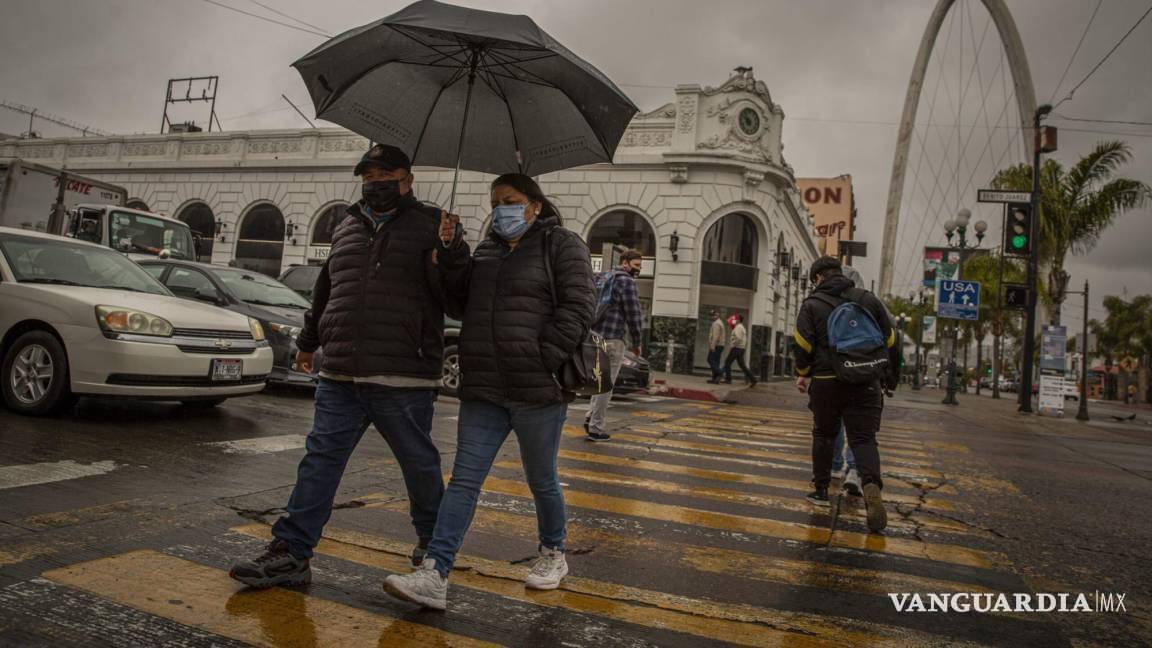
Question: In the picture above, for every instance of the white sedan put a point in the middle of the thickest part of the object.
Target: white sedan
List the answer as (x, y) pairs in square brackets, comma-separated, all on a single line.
[(79, 319)]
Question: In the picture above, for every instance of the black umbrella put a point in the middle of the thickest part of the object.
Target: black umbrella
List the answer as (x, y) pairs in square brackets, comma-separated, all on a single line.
[(462, 88)]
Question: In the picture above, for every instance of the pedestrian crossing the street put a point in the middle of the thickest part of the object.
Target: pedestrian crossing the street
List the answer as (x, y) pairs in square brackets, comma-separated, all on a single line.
[(688, 528)]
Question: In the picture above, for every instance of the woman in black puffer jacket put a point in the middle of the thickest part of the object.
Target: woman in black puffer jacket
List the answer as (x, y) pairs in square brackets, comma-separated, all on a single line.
[(518, 330)]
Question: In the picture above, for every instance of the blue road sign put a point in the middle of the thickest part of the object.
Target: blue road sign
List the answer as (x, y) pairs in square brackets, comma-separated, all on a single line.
[(958, 299)]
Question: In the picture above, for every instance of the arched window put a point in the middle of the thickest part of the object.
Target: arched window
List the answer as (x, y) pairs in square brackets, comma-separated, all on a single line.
[(325, 224), (622, 228), (732, 239), (260, 244), (136, 203), (202, 222)]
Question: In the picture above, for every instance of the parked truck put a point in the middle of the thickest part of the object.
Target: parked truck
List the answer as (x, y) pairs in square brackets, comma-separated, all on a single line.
[(44, 199)]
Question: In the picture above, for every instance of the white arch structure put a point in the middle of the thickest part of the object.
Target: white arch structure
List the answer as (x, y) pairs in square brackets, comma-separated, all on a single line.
[(1025, 102)]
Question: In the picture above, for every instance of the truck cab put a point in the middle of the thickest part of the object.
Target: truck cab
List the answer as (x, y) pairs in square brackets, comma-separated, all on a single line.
[(131, 231)]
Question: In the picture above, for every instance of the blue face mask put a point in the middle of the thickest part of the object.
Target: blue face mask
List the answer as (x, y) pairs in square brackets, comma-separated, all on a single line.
[(508, 221)]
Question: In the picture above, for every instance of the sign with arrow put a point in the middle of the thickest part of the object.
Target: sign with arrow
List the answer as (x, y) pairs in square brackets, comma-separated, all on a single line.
[(958, 300)]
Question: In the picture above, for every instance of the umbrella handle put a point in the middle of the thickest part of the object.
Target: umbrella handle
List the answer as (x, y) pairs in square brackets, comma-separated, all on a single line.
[(473, 64)]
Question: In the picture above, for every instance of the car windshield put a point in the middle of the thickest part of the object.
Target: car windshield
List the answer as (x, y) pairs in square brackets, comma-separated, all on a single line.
[(131, 232), (255, 288), (62, 262), (302, 278)]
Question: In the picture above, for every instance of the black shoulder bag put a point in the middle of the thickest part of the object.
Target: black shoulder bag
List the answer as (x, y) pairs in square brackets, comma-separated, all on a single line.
[(588, 371)]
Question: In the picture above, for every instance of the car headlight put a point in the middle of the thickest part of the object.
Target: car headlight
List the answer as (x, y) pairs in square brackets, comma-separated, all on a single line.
[(629, 362), (257, 329), (286, 330), (125, 320)]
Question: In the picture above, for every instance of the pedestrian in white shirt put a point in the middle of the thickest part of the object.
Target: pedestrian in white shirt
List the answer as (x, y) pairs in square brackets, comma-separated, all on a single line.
[(736, 351)]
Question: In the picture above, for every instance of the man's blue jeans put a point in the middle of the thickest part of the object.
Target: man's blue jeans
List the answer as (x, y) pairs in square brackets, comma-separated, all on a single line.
[(841, 452), (483, 428), (343, 411)]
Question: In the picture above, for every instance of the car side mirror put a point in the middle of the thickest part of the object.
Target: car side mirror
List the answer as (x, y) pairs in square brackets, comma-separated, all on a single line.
[(209, 295)]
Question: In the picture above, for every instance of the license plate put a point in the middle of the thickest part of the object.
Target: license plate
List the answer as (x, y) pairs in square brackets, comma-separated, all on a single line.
[(227, 369)]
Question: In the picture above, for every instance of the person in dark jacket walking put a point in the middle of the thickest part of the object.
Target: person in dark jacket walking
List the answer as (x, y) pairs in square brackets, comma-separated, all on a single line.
[(378, 313), (513, 341), (831, 400)]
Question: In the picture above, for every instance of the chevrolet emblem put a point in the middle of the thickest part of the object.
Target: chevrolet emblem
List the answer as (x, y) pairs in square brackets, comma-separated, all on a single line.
[(223, 344)]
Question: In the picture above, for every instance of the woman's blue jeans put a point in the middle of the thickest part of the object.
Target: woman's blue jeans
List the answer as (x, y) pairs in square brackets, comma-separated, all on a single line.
[(483, 428)]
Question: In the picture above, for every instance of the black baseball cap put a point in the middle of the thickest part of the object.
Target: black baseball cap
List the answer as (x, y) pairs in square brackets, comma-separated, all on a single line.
[(386, 156), (824, 264)]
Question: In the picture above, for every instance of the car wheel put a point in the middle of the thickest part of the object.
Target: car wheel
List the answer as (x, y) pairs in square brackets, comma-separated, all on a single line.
[(450, 374), (207, 403), (35, 375)]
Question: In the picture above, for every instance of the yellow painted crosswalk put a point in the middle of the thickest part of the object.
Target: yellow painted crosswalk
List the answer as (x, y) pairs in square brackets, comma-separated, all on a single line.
[(206, 598), (690, 525)]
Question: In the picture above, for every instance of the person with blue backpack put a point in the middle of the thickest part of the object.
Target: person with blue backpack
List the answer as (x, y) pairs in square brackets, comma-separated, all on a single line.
[(618, 313), (842, 339)]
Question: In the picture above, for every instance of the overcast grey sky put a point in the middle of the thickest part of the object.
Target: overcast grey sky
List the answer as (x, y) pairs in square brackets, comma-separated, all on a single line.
[(830, 63)]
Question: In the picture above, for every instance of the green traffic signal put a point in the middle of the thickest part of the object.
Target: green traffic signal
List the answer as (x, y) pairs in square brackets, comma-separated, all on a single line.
[(1019, 241)]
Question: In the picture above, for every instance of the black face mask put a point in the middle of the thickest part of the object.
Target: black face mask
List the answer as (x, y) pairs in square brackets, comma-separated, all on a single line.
[(381, 195)]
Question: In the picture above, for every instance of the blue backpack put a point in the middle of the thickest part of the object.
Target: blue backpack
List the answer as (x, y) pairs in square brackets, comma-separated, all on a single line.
[(856, 343), (605, 281)]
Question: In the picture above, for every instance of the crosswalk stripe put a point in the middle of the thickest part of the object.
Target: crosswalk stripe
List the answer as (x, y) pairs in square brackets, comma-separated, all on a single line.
[(928, 503), (917, 474), (716, 560), (260, 445), (784, 436), (799, 486), (50, 472), (802, 449), (204, 597), (762, 526), (741, 461), (739, 497), (736, 623), (799, 428)]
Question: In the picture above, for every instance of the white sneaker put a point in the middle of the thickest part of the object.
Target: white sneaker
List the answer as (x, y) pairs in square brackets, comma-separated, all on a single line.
[(852, 484), (547, 571), (424, 586)]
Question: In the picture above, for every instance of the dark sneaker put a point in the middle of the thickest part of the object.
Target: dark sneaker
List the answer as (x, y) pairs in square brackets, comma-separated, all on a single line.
[(754, 383), (877, 516), (819, 497), (276, 566), (597, 436)]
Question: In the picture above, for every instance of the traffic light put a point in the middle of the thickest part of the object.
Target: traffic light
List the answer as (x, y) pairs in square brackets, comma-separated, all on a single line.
[(1018, 229)]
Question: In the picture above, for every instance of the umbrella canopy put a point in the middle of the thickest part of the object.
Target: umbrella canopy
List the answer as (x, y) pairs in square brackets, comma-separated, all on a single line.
[(457, 87)]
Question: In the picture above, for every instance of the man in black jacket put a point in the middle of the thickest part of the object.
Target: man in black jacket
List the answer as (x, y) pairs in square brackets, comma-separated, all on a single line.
[(831, 400), (378, 312)]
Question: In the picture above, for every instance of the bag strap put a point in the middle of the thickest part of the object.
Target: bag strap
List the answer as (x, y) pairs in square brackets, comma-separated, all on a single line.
[(827, 299), (546, 242)]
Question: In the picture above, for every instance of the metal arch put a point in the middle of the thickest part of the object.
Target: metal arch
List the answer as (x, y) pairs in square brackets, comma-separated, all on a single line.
[(1025, 101)]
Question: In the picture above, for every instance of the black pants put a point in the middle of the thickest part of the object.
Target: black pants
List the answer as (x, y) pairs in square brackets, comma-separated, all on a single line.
[(714, 356), (737, 355), (860, 407)]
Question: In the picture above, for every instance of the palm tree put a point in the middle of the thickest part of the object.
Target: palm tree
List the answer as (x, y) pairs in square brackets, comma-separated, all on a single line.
[(1076, 206)]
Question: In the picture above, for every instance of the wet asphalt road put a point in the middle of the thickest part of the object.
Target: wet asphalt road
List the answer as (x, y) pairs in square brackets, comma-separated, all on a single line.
[(689, 528)]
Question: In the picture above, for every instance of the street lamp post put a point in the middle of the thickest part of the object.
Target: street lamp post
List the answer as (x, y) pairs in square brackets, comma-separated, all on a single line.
[(1082, 411), (919, 299), (902, 321), (959, 227)]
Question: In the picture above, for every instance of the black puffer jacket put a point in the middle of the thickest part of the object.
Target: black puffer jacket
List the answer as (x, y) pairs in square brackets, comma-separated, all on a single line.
[(513, 339), (378, 304)]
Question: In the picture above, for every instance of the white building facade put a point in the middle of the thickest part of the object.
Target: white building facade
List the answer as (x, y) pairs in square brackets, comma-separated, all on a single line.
[(699, 186)]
